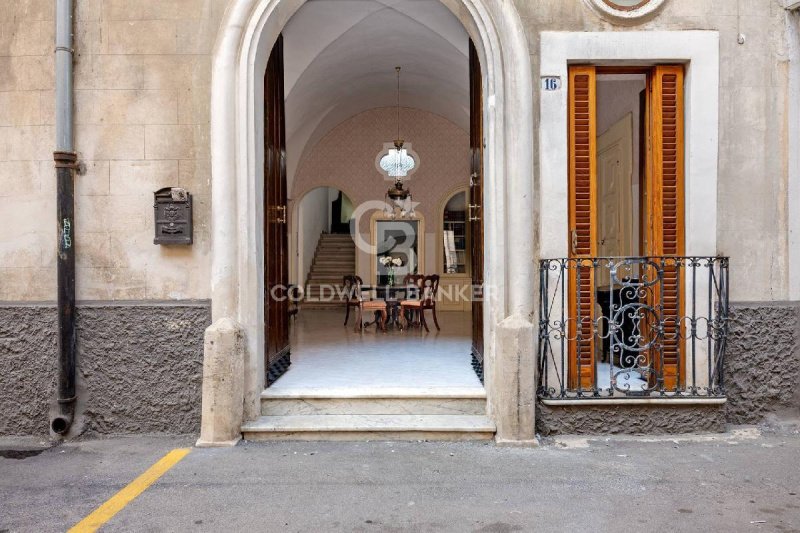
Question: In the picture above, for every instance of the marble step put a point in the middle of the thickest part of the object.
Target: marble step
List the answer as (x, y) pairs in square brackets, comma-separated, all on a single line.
[(370, 427), (276, 402), (314, 291), (348, 245), (327, 279), (349, 266), (332, 270)]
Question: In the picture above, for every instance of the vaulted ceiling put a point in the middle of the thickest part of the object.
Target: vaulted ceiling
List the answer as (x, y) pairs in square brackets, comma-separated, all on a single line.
[(340, 58)]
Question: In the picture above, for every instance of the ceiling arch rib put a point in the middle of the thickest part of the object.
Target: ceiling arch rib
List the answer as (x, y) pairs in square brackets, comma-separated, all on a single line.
[(340, 59)]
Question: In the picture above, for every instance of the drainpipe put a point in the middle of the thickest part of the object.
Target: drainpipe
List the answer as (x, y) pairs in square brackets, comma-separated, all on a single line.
[(65, 163)]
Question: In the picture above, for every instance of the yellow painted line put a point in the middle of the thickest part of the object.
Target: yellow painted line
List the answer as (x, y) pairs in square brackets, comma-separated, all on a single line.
[(118, 501)]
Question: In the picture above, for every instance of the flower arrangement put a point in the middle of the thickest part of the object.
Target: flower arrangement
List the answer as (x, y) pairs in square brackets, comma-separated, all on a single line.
[(390, 263)]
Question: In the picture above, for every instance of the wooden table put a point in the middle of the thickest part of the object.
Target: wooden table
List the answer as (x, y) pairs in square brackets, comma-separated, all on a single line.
[(390, 293)]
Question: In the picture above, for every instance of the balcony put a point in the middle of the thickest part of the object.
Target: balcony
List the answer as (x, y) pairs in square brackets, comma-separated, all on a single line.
[(640, 329)]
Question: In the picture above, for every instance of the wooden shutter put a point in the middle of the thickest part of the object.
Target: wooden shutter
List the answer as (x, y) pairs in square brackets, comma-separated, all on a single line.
[(582, 222), (667, 209)]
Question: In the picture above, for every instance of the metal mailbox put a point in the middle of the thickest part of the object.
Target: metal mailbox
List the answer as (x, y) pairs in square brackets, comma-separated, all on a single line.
[(173, 216)]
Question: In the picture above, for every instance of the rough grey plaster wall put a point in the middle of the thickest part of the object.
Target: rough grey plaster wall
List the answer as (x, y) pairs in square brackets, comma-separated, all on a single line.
[(762, 362), (762, 377), (628, 419), (139, 367), (28, 347)]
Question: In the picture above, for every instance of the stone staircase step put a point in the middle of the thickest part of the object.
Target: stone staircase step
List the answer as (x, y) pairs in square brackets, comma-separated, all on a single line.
[(458, 401), (372, 427), (335, 257)]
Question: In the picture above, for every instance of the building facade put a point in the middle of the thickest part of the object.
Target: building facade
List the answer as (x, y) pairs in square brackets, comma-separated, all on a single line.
[(171, 95)]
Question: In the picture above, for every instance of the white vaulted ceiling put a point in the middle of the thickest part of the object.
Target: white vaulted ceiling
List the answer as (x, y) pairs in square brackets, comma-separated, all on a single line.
[(339, 60)]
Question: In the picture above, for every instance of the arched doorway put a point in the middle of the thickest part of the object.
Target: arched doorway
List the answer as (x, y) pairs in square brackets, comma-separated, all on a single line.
[(248, 32)]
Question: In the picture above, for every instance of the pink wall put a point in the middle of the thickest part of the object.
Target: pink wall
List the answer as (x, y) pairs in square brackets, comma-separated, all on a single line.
[(345, 159)]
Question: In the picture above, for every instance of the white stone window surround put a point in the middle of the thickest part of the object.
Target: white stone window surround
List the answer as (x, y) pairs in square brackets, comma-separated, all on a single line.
[(699, 51)]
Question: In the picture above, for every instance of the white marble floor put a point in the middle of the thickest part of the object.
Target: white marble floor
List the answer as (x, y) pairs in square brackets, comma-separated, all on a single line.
[(328, 355)]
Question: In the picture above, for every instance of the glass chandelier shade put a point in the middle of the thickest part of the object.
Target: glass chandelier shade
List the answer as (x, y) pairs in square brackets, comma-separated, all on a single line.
[(397, 163)]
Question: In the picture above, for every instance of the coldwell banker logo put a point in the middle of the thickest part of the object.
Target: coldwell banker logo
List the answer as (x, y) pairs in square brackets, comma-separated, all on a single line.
[(399, 242)]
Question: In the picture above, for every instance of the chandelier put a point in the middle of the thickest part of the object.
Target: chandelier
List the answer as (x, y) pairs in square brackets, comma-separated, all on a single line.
[(396, 162)]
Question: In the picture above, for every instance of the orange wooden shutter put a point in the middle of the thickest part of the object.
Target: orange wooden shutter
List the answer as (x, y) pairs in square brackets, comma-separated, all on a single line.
[(582, 222), (667, 208)]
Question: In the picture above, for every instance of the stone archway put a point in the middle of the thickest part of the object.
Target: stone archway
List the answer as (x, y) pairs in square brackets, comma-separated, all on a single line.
[(235, 339)]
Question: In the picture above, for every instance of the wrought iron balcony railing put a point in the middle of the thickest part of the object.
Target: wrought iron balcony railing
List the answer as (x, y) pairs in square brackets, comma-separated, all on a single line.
[(632, 327)]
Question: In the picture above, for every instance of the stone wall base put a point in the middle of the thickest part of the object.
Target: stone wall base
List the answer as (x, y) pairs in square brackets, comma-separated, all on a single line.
[(762, 378), (628, 419), (762, 363), (140, 367), (141, 363)]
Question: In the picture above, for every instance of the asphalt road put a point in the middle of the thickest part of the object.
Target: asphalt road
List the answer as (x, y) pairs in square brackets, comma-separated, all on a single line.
[(747, 480)]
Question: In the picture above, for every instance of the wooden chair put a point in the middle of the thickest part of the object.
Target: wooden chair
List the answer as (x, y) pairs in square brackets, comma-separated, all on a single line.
[(377, 306), (430, 286), (413, 284), (350, 284)]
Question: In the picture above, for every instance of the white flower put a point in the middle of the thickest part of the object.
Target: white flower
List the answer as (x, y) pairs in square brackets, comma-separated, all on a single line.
[(397, 261)]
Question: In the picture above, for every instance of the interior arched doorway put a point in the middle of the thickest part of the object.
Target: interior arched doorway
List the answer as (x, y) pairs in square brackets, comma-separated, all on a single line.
[(247, 34), (320, 210)]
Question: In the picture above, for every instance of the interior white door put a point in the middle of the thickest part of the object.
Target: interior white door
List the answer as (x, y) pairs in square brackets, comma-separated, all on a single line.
[(615, 192)]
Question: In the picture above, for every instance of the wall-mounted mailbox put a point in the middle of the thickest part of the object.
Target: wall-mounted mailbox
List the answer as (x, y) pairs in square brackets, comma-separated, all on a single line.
[(173, 213)]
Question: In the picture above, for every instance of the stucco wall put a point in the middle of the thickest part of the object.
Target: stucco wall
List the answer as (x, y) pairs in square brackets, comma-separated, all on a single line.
[(762, 364), (762, 378), (628, 419), (139, 367), (753, 149), (345, 158), (142, 74), (142, 92), (313, 218), (28, 364)]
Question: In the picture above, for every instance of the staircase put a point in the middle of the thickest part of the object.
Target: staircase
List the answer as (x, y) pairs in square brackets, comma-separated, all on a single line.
[(387, 414), (334, 258)]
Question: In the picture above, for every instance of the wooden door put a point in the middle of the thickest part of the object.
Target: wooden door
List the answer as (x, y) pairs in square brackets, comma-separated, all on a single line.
[(582, 223), (666, 213), (276, 241), (475, 206), (614, 192)]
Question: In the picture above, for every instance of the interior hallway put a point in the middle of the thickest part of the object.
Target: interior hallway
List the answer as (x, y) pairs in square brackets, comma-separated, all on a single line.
[(328, 355)]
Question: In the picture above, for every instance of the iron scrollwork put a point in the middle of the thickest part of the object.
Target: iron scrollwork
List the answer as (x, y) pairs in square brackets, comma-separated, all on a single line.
[(647, 326)]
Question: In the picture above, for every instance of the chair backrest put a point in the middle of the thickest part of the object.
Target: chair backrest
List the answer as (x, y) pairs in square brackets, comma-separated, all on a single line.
[(416, 279), (352, 287), (413, 285), (430, 286)]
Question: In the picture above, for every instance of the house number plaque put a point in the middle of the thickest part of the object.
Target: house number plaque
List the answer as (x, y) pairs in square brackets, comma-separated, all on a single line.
[(551, 83)]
